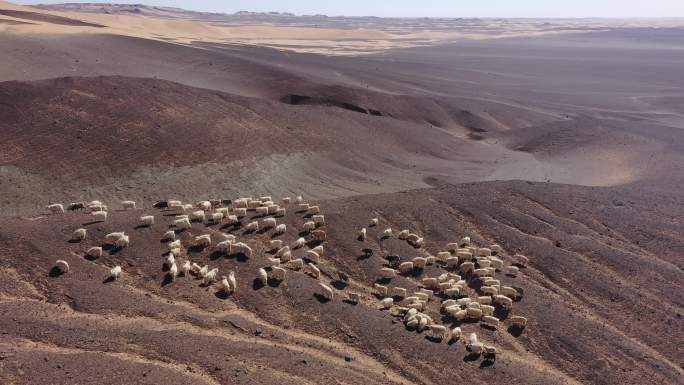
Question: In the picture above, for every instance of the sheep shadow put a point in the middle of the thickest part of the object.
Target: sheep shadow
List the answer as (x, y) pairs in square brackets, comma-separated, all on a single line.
[(486, 363), (339, 285), (240, 257), (138, 227), (274, 282), (276, 235), (55, 272), (249, 232), (434, 339), (108, 280), (321, 298), (367, 253), (90, 223), (234, 226), (350, 302), (196, 249), (313, 243), (263, 230), (470, 357), (167, 279), (487, 326), (111, 249), (257, 284), (90, 258), (216, 255), (74, 241), (221, 294), (501, 312), (515, 330)]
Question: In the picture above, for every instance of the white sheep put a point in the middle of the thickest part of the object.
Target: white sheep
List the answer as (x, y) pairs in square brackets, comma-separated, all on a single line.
[(262, 210), (419, 262), (484, 300), (326, 291), (262, 276), (272, 262), (286, 200), (314, 210), (232, 281), (509, 292), (122, 242), (302, 206), (169, 235), (521, 259), (373, 222), (319, 220), (241, 248), (232, 219), (147, 220), (183, 223), (173, 272), (252, 226), (268, 223), (56, 208), (213, 218), (487, 309), (380, 289), (386, 303), (174, 245), (403, 234), (312, 256), (386, 272), (489, 290), (439, 332), (362, 234), (518, 320), (466, 267), (113, 237), (278, 273), (406, 267), (240, 203), (203, 240), (275, 244), (115, 272), (62, 266), (280, 212), (204, 205), (456, 334), (465, 241), (225, 286), (170, 260), (127, 205), (313, 270), (296, 264), (210, 277), (186, 268), (280, 229), (512, 271), (387, 233), (79, 234), (100, 216), (282, 251), (398, 292), (496, 248), (319, 250), (202, 271), (490, 320), (504, 301), (299, 199), (239, 213), (300, 242), (94, 252), (309, 226), (353, 297), (319, 235)]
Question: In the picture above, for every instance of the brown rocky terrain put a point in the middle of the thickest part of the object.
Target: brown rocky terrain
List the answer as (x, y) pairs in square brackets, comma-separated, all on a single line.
[(564, 147)]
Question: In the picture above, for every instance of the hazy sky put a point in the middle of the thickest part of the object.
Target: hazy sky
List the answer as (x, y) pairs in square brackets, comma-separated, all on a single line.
[(424, 8)]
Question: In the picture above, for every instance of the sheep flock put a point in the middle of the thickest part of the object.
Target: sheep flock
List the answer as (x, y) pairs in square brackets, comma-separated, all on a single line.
[(468, 288)]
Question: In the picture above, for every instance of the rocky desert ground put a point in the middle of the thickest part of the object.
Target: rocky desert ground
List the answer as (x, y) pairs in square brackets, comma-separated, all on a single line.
[(558, 140)]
